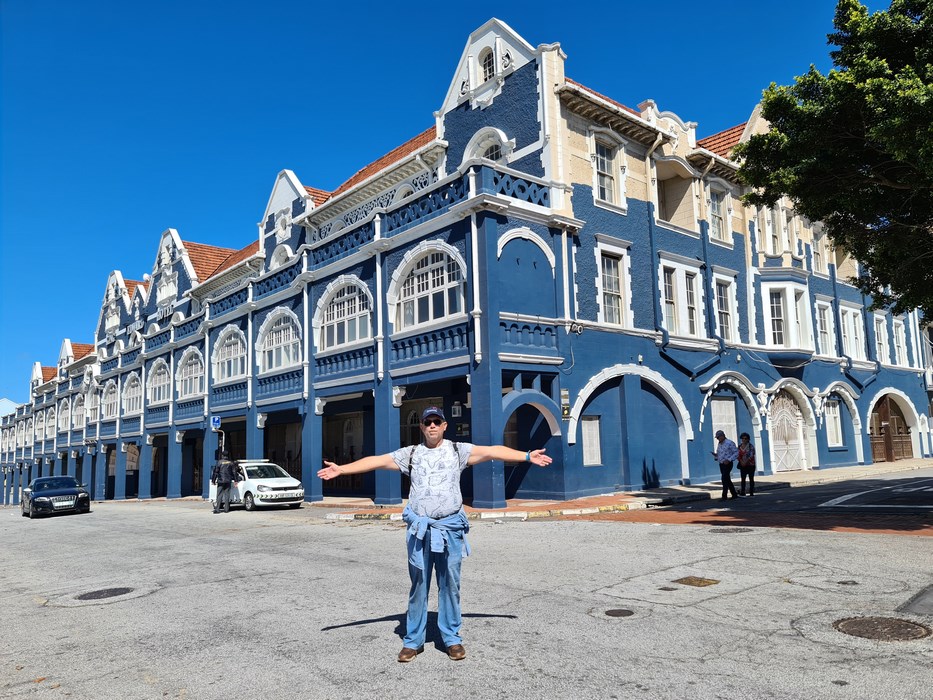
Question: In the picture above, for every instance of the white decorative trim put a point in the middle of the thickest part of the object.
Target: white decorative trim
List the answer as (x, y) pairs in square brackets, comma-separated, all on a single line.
[(673, 398), (429, 366), (326, 297), (527, 234), (404, 267)]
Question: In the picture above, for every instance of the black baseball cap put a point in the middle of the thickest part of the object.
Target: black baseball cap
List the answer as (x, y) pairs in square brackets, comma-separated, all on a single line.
[(433, 411)]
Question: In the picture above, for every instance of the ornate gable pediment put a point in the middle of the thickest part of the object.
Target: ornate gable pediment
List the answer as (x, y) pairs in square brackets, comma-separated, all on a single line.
[(492, 52)]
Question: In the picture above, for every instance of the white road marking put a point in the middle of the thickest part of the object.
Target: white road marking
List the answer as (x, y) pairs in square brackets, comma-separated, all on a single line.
[(842, 499)]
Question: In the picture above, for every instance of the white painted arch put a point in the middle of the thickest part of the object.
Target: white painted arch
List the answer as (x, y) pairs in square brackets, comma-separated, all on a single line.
[(523, 232), (911, 415)]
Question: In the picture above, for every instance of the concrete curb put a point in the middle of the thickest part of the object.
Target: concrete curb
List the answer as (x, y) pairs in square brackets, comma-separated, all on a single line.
[(634, 503)]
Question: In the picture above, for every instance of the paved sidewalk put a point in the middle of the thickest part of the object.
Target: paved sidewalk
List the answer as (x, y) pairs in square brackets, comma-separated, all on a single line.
[(523, 509)]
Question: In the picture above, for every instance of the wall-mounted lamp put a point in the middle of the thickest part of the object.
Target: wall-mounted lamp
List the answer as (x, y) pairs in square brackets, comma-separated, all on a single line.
[(456, 411)]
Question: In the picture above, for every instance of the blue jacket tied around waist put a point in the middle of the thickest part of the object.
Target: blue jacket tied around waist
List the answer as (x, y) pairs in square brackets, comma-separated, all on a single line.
[(440, 529)]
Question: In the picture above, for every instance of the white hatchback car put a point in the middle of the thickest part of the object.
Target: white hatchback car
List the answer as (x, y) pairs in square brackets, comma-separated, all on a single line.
[(263, 483)]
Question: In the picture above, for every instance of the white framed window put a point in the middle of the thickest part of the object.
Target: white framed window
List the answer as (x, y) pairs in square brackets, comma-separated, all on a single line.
[(718, 223), (279, 341), (722, 412), (833, 423), (132, 395), (820, 254), (489, 143), (21, 434), (487, 64), (900, 343), (230, 355), (726, 306), (93, 406), (347, 318), (160, 383), (64, 416), (30, 429), (167, 288), (787, 316), (682, 296), (613, 281), (592, 448), (432, 291), (774, 231), (79, 412), (826, 329), (50, 423), (852, 333), (790, 230), (609, 168), (110, 402), (190, 375), (493, 152), (881, 340)]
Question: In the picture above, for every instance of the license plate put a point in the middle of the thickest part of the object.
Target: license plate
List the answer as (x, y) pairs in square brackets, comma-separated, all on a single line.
[(64, 504)]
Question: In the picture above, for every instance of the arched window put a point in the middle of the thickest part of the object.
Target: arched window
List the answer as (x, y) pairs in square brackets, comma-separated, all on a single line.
[(79, 412), (30, 431), (190, 378), (93, 406), (50, 423), (433, 290), (230, 355), (110, 401), (21, 434), (487, 62), (279, 342), (64, 416), (347, 318), (132, 395), (160, 383)]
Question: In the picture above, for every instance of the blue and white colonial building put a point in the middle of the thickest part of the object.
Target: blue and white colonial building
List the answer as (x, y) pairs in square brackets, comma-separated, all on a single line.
[(552, 267)]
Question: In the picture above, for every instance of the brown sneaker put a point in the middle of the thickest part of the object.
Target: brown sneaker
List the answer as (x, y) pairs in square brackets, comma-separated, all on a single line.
[(456, 652), (407, 654)]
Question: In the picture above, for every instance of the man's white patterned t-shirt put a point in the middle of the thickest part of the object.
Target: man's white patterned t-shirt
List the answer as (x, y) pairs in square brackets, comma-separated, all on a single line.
[(435, 477)]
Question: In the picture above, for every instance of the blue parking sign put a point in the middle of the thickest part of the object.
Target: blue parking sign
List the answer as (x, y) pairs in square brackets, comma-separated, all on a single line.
[(215, 422)]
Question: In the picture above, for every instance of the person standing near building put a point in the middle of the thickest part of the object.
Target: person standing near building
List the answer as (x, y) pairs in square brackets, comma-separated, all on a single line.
[(437, 524), (747, 463), (726, 454), (223, 475)]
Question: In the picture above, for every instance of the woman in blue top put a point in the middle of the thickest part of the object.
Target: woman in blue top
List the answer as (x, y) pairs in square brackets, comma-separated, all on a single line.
[(436, 522)]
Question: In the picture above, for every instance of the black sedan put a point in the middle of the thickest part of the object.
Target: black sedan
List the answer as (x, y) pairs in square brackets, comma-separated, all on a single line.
[(55, 494)]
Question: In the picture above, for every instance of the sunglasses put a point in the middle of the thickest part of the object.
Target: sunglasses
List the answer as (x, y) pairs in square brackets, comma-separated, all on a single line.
[(432, 421)]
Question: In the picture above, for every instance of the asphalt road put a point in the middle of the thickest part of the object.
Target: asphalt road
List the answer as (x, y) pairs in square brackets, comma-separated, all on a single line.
[(286, 604)]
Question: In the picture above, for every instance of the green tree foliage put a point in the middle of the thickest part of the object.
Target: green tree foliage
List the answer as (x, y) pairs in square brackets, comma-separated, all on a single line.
[(854, 148)]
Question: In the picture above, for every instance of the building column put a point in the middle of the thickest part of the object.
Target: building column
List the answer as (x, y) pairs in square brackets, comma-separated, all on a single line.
[(71, 463), (15, 485), (209, 458), (255, 436), (386, 439), (119, 477), (100, 472), (4, 482), (145, 468), (173, 489), (312, 435)]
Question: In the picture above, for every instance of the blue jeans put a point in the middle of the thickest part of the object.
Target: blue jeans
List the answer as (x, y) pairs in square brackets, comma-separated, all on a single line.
[(446, 564)]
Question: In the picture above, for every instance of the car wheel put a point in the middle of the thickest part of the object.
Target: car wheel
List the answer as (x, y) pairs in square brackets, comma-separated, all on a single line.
[(248, 501), (32, 513), (294, 505)]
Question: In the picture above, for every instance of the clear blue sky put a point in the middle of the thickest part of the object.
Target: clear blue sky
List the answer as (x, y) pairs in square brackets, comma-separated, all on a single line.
[(121, 119)]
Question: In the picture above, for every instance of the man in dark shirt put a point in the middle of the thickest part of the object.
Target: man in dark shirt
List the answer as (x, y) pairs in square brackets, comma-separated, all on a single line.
[(224, 474)]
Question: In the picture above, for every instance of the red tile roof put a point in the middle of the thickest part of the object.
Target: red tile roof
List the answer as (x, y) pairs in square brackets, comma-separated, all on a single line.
[(206, 258), (237, 257), (393, 156), (603, 97), (722, 143), (49, 373), (131, 286), (82, 350), (318, 196)]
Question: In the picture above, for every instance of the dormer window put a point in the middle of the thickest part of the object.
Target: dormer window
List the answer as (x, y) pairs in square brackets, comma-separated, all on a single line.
[(487, 62), (493, 152), (489, 143), (609, 168)]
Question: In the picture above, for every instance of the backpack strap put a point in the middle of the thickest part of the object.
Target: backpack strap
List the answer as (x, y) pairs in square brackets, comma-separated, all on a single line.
[(410, 457)]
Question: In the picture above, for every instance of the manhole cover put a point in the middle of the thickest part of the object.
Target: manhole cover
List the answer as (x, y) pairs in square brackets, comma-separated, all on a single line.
[(619, 612), (696, 581), (104, 593), (885, 629), (730, 530)]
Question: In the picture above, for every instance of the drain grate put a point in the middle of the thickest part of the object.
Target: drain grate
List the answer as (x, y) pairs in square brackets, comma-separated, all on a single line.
[(104, 593), (730, 530), (696, 581), (885, 629), (619, 612)]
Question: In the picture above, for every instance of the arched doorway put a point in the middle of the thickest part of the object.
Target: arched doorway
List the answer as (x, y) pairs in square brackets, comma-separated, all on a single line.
[(890, 432), (786, 429)]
